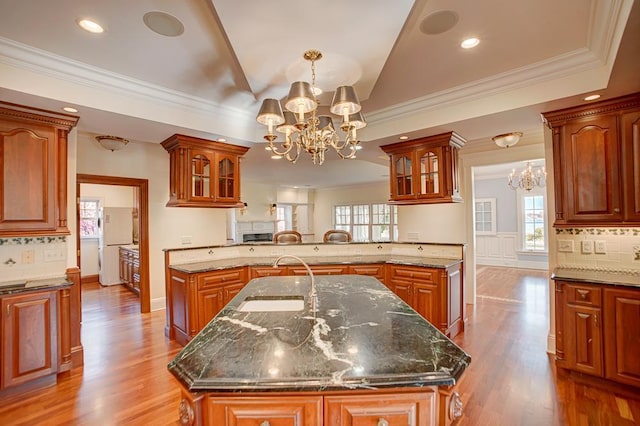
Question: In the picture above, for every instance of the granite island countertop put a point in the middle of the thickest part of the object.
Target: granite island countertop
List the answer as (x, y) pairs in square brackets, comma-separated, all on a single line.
[(362, 336), (22, 286), (212, 265)]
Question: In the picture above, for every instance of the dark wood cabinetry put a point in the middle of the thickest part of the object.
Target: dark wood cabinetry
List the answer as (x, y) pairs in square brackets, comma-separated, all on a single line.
[(29, 338), (33, 183), (390, 409), (272, 411), (592, 330), (376, 270), (425, 170), (596, 159), (203, 173), (130, 268)]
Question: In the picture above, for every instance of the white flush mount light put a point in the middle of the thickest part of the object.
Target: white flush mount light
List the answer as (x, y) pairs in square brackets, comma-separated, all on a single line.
[(470, 43), (91, 26), (69, 109), (507, 139), (112, 143), (592, 97)]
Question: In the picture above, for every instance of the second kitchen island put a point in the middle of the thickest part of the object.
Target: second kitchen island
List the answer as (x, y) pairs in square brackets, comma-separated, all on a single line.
[(363, 355)]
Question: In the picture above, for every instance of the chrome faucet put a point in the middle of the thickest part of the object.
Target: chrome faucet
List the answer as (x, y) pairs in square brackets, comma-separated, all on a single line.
[(313, 296)]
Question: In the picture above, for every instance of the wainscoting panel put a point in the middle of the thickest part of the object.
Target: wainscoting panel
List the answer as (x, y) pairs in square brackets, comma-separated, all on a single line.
[(501, 250)]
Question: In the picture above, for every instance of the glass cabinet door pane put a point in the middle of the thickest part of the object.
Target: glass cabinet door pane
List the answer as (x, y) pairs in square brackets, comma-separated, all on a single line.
[(200, 175), (403, 176), (225, 178), (429, 178)]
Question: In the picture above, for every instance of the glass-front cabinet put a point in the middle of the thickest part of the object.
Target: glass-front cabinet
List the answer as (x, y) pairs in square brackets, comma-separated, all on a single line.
[(203, 173), (425, 170)]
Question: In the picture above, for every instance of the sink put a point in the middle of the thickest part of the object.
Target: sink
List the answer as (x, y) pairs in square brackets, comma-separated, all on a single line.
[(272, 304)]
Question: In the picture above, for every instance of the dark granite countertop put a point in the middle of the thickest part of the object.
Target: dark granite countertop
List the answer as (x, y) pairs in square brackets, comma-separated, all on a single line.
[(23, 286), (431, 262), (361, 337), (598, 277)]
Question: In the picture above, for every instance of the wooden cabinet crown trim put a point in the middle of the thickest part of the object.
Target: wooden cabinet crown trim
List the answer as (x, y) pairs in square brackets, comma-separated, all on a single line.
[(559, 117)]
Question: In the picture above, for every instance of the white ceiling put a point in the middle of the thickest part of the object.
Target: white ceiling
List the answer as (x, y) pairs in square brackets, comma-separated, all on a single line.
[(534, 56)]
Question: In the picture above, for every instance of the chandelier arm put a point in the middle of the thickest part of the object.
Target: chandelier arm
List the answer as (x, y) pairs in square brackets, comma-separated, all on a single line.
[(274, 149)]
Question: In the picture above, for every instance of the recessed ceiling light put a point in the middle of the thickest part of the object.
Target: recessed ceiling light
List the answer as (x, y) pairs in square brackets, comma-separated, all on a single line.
[(403, 138), (91, 26), (69, 109), (163, 24), (469, 43), (592, 97)]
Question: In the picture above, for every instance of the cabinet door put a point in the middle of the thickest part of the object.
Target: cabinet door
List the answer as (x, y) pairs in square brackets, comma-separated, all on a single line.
[(402, 176), (28, 180), (631, 166), (201, 175), (425, 302), (375, 410), (622, 335), (429, 172), (583, 339), (591, 171), (210, 301), (402, 289), (266, 411), (227, 178), (30, 338), (230, 291)]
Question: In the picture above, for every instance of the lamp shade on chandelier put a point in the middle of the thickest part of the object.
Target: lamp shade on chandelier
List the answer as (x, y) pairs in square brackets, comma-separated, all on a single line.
[(527, 179), (303, 129)]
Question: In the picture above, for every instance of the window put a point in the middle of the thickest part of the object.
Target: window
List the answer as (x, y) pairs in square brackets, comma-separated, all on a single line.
[(532, 225), (485, 216), (284, 218), (367, 222), (89, 211)]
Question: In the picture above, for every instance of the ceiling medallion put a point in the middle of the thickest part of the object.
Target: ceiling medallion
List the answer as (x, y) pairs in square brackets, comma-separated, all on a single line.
[(303, 129)]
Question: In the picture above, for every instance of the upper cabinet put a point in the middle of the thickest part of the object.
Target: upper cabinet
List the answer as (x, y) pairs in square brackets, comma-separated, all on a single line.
[(203, 173), (596, 159), (425, 170), (33, 177)]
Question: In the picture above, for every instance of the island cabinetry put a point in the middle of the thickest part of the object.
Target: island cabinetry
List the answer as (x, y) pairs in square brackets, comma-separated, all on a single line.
[(29, 338), (436, 294), (203, 173), (593, 335), (33, 181), (376, 270), (425, 170), (266, 411), (595, 159), (381, 410), (621, 320)]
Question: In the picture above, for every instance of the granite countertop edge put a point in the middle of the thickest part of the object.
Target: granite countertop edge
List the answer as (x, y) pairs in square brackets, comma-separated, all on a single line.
[(352, 243), (25, 286), (585, 275)]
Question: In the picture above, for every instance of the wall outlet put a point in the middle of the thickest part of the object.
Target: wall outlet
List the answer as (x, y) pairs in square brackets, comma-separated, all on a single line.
[(565, 246), (601, 247), (28, 256), (186, 240), (587, 247), (413, 236)]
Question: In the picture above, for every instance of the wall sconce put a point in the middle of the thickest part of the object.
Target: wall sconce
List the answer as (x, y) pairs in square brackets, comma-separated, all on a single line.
[(272, 209), (243, 209), (112, 143)]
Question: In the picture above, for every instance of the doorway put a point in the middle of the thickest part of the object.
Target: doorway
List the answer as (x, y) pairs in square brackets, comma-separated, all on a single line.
[(141, 201)]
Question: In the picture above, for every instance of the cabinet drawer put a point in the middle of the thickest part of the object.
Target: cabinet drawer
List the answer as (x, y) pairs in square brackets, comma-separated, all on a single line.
[(584, 295), (319, 270), (424, 275), (208, 279), (275, 411)]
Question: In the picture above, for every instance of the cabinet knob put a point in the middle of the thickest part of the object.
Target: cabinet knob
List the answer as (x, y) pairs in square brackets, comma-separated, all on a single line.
[(8, 310), (265, 423), (595, 320), (583, 293), (383, 422), (616, 210)]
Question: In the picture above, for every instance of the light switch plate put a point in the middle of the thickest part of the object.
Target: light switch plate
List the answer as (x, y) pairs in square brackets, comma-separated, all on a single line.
[(587, 247), (565, 246), (601, 247)]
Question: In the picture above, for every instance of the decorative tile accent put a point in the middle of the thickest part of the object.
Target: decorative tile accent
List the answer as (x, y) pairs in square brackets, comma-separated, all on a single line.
[(592, 268), (598, 231), (15, 241), (210, 252), (316, 248), (251, 249), (420, 248)]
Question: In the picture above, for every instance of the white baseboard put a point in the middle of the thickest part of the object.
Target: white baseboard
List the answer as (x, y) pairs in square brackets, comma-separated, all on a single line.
[(158, 304)]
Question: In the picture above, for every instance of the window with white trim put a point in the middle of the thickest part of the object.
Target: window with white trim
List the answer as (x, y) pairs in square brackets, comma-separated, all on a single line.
[(89, 213), (532, 223), (367, 222), (485, 216)]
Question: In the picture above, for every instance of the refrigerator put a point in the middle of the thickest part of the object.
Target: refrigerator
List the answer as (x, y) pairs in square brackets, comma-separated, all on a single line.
[(115, 227)]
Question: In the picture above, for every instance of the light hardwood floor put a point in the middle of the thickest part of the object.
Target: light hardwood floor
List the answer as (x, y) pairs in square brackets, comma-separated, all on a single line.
[(511, 379)]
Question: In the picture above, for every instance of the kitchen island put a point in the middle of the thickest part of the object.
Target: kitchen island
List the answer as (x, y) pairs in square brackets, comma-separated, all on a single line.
[(362, 354)]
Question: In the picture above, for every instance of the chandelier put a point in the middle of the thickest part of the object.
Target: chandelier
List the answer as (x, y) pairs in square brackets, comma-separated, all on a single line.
[(527, 179), (303, 129)]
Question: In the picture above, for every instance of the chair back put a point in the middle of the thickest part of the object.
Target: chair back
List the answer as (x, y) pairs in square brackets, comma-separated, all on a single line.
[(336, 236), (287, 237)]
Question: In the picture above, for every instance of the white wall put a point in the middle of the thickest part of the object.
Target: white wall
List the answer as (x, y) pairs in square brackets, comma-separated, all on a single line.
[(167, 225), (438, 223)]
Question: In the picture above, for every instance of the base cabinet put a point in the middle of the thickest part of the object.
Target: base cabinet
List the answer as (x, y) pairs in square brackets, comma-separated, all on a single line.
[(130, 269), (392, 410), (265, 411), (593, 332), (29, 338)]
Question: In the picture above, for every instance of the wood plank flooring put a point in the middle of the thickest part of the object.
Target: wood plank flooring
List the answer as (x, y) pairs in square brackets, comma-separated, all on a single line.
[(511, 380)]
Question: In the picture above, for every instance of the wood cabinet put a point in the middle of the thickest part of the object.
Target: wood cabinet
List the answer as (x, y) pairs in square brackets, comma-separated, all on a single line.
[(29, 338), (319, 270), (33, 181), (267, 271), (436, 294), (596, 159), (203, 173), (387, 410), (130, 268), (593, 333), (425, 170), (376, 270), (266, 411)]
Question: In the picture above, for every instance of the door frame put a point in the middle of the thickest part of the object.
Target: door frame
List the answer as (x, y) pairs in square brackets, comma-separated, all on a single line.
[(143, 245)]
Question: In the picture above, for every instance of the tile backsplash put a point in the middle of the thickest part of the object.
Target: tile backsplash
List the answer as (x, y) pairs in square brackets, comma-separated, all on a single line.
[(32, 257), (599, 248)]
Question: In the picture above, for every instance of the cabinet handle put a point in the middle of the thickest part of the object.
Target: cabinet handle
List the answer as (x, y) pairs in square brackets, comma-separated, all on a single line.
[(583, 293), (265, 423), (8, 310), (595, 320), (383, 422), (616, 210)]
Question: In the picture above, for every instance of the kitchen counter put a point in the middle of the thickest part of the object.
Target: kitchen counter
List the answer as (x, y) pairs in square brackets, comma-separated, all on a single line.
[(631, 279), (362, 336), (431, 262), (23, 286)]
